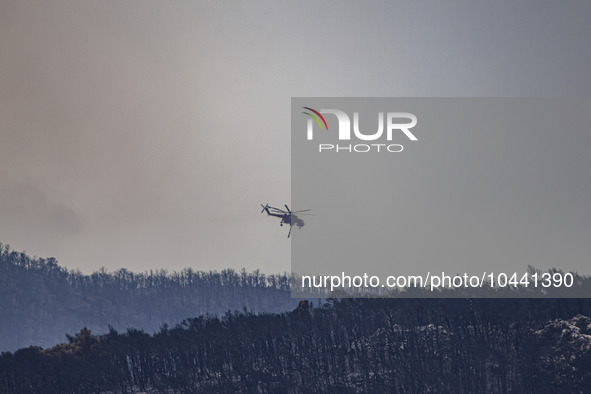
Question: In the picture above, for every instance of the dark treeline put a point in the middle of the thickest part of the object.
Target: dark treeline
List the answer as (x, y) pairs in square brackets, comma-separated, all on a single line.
[(349, 345), (41, 301)]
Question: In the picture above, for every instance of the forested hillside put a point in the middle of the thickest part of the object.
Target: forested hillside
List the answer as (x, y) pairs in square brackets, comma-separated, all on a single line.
[(230, 332), (351, 345), (40, 301)]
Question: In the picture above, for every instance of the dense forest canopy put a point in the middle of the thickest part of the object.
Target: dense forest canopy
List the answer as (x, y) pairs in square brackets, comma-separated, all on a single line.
[(349, 345), (190, 331), (40, 301)]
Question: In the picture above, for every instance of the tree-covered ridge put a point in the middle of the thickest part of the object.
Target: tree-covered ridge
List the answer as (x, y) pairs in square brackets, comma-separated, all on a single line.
[(349, 345), (41, 301)]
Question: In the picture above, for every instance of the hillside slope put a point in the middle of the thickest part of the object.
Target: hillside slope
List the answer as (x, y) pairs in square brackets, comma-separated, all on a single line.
[(415, 346), (40, 301)]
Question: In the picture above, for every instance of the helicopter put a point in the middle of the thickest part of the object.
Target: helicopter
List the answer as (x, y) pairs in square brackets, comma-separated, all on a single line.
[(287, 217)]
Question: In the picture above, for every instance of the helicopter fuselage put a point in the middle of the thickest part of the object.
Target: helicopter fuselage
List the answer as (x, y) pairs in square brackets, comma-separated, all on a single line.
[(290, 219)]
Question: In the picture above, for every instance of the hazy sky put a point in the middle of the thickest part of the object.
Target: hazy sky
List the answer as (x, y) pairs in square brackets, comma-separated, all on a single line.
[(145, 134)]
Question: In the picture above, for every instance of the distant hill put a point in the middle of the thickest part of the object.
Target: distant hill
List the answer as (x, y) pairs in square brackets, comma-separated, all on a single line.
[(40, 301)]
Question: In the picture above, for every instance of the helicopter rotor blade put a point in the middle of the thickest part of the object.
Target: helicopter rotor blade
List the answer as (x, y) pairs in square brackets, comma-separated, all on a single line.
[(287, 208)]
